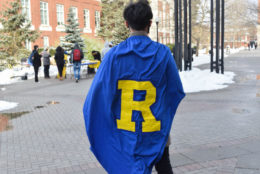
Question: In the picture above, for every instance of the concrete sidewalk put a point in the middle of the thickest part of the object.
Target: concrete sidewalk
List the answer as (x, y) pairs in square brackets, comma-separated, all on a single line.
[(213, 132)]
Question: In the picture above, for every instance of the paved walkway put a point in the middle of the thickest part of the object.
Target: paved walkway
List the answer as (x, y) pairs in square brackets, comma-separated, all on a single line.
[(215, 132)]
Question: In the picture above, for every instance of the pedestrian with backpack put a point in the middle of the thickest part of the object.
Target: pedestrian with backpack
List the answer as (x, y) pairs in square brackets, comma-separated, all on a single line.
[(59, 58), (76, 57)]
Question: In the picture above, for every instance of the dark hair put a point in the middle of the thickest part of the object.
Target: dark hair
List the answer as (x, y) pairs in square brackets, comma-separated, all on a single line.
[(59, 49), (138, 14), (35, 47)]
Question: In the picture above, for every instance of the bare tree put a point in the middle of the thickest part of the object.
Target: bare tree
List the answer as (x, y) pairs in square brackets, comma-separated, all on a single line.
[(200, 32)]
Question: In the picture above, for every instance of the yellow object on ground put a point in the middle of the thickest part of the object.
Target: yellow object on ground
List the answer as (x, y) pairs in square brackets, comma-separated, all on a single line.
[(64, 68), (96, 65)]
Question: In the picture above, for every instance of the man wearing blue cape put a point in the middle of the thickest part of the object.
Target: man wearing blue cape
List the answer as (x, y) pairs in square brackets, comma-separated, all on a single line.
[(132, 101)]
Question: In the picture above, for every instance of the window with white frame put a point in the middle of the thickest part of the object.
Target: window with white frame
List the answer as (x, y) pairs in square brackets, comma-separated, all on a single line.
[(97, 19), (60, 14), (26, 8), (86, 18), (161, 18), (44, 13), (75, 12), (28, 45), (45, 41)]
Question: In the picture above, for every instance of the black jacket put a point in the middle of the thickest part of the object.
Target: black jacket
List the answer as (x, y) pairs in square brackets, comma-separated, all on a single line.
[(59, 56), (37, 59)]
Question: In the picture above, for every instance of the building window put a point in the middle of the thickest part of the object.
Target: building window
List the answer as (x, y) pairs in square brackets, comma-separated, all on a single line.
[(28, 45), (161, 18), (45, 41), (60, 14), (26, 8), (75, 12), (97, 19), (86, 18), (44, 13)]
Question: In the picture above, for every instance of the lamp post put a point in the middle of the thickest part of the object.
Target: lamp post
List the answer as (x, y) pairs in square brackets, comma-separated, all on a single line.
[(157, 22)]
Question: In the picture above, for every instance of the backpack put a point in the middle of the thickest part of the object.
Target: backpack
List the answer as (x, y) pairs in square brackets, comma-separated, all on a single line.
[(30, 58), (76, 55)]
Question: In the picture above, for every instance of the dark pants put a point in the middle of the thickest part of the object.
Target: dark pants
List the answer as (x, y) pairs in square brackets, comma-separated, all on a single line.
[(164, 165), (91, 70), (36, 69), (46, 71), (60, 68)]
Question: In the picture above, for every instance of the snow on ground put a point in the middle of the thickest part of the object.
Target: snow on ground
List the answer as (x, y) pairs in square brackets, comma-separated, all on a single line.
[(193, 81), (3, 89), (204, 57), (10, 76), (4, 105), (203, 80)]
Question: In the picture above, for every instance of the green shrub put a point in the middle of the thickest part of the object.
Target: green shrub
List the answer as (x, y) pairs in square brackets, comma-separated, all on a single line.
[(40, 50), (52, 51), (171, 46), (90, 45)]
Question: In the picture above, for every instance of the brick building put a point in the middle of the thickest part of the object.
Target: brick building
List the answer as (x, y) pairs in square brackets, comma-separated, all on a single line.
[(49, 17), (163, 11)]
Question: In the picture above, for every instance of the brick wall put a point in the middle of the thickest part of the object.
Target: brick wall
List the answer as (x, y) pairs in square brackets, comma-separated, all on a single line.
[(51, 32)]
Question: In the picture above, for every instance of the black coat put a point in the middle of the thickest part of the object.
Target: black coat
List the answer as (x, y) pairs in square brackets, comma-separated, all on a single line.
[(37, 59), (96, 55), (59, 57)]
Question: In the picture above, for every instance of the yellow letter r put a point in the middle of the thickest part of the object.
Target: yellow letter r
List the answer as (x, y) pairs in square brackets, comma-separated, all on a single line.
[(128, 104)]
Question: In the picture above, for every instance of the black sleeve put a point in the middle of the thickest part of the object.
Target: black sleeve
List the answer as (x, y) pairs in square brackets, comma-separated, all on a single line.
[(81, 54)]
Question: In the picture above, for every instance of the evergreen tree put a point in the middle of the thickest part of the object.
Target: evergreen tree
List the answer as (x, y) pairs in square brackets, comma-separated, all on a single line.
[(106, 20), (112, 21), (14, 33), (73, 33), (120, 32)]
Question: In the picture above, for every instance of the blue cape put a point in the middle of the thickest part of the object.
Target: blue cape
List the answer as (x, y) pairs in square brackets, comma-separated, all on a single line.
[(131, 104)]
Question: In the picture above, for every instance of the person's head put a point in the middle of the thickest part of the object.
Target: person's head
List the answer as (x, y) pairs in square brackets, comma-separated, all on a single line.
[(93, 52), (35, 47), (138, 15), (76, 46), (59, 49), (46, 49), (110, 44)]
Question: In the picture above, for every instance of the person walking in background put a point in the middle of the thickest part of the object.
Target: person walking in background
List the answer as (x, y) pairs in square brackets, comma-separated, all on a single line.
[(46, 62), (255, 45), (107, 47), (76, 57), (132, 101), (59, 58), (96, 55), (36, 60)]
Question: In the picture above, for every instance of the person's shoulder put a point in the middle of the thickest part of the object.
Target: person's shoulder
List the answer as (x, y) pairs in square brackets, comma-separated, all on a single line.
[(162, 46)]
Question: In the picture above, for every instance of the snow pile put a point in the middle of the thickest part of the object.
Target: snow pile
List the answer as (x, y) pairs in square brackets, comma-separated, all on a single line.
[(7, 105), (3, 89), (203, 80), (9, 76), (193, 81)]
